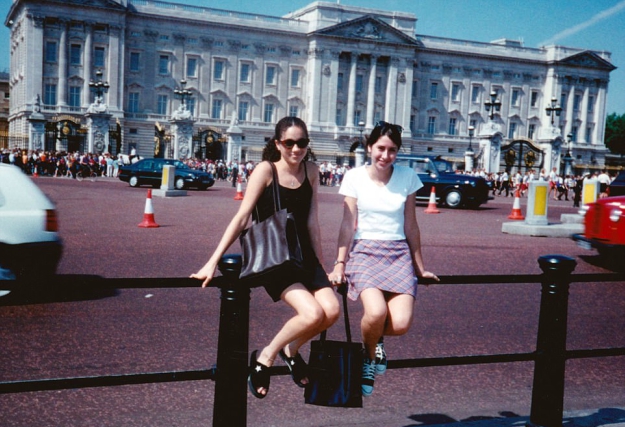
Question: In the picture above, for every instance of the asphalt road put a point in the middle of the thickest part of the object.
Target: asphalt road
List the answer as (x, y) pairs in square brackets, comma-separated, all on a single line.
[(150, 330)]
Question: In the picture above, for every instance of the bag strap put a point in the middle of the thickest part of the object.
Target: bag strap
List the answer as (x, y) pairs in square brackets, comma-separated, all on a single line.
[(348, 332), (276, 188)]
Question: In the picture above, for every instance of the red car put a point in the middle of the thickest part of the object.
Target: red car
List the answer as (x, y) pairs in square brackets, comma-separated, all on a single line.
[(604, 228)]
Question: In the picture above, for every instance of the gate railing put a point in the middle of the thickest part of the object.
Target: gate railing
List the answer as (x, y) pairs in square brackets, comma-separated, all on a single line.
[(230, 372)]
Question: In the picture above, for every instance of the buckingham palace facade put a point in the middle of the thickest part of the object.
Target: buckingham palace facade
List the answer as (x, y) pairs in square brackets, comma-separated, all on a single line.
[(175, 80)]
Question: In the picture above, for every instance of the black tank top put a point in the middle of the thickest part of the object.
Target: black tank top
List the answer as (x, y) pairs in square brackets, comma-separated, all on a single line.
[(296, 201)]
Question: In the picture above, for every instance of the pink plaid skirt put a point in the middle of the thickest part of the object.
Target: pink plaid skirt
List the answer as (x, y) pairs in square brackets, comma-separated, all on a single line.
[(383, 264)]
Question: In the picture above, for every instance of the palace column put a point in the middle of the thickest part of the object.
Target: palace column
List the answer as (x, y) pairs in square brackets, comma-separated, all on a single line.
[(570, 104), (391, 91), (86, 92), (351, 95), (315, 77), (371, 93), (600, 115), (62, 95)]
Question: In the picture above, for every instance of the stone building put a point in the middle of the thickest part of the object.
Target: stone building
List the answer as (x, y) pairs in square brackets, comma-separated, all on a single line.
[(177, 80)]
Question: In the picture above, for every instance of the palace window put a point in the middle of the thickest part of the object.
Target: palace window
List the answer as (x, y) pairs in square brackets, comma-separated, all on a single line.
[(216, 109), (191, 67), (75, 54), (434, 90), (452, 125), (161, 104), (243, 109), (135, 59), (99, 57), (475, 94), (270, 76), (455, 92), (244, 76), (268, 117), (295, 77), (74, 96), (163, 65), (133, 102), (218, 70), (534, 99), (51, 51), (432, 125), (49, 94), (294, 111)]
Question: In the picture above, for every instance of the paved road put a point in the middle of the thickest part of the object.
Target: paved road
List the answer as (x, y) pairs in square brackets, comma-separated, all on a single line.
[(128, 331)]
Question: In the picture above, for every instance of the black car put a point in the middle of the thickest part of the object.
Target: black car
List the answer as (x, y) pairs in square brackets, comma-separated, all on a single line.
[(452, 189), (617, 187), (150, 172)]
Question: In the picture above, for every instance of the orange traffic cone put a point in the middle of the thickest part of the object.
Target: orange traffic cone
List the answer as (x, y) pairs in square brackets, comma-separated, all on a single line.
[(516, 207), (148, 215), (432, 203), (239, 195)]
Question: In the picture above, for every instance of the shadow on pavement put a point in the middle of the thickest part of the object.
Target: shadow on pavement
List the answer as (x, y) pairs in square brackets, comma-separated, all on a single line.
[(63, 288), (590, 418)]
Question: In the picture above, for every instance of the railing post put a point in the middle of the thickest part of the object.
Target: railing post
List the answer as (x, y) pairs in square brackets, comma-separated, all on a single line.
[(230, 405), (548, 389)]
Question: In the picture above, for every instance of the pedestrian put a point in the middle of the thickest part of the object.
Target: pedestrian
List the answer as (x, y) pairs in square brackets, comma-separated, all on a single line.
[(308, 292), (380, 226), (504, 183)]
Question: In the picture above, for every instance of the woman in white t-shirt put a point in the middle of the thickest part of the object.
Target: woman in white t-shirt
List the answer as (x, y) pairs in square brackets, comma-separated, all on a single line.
[(379, 249)]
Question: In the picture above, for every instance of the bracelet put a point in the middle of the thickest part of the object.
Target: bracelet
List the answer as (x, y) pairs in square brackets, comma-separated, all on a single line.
[(339, 262)]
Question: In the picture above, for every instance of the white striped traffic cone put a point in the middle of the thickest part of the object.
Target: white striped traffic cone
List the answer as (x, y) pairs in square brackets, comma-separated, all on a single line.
[(516, 207), (432, 203), (148, 215), (239, 195)]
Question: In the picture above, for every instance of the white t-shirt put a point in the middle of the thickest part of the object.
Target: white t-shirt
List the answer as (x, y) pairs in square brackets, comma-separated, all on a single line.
[(380, 208)]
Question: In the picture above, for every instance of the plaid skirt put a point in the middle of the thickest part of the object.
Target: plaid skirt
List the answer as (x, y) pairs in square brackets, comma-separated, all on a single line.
[(383, 264)]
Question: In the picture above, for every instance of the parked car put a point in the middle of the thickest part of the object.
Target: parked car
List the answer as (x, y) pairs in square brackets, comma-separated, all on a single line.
[(452, 190), (30, 246), (150, 172), (617, 187), (604, 228)]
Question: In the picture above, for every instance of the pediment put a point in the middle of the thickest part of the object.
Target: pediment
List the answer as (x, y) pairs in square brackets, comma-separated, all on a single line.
[(108, 4), (587, 59), (367, 28)]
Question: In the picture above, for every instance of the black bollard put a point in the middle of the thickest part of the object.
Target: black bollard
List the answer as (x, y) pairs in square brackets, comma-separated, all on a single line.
[(549, 370), (230, 405)]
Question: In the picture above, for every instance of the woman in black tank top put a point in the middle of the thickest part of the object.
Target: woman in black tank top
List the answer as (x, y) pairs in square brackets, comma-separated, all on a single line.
[(308, 292)]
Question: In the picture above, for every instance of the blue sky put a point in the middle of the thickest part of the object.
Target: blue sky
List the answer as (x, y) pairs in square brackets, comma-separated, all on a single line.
[(597, 24)]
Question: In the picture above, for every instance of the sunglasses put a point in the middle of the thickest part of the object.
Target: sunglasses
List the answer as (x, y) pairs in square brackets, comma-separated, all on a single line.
[(385, 125), (290, 143)]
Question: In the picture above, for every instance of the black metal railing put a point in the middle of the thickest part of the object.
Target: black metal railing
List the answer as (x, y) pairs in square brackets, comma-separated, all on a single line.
[(230, 372)]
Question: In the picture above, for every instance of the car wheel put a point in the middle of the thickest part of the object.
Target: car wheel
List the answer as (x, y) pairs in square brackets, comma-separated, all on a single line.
[(453, 199), (133, 181), (203, 187), (179, 183)]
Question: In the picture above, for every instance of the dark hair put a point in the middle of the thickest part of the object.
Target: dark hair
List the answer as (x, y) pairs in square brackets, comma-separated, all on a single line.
[(271, 152), (385, 129)]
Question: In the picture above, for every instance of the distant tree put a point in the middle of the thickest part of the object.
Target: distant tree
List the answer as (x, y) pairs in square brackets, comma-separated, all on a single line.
[(615, 133)]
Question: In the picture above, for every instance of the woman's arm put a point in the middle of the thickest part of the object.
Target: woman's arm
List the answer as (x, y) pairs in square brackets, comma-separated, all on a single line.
[(413, 237), (259, 180), (346, 237)]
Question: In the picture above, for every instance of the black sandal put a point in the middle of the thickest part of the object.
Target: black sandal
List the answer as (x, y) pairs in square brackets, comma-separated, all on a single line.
[(259, 377), (297, 366)]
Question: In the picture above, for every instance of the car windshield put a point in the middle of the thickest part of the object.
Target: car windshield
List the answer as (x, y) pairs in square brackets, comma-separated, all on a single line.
[(179, 165), (442, 165)]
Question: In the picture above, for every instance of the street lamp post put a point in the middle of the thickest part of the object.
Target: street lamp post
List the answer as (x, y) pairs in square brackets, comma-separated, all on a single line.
[(468, 155), (360, 151), (183, 94), (568, 158), (98, 86), (493, 104), (553, 109)]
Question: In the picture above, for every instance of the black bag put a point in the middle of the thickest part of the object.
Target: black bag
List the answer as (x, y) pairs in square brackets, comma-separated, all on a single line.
[(271, 247), (335, 369)]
